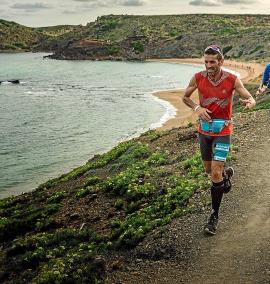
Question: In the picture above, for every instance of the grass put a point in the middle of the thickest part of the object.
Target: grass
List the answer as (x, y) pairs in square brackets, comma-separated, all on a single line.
[(64, 256), (26, 218), (101, 162), (141, 216)]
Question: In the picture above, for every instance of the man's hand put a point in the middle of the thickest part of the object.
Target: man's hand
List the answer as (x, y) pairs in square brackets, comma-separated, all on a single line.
[(203, 113), (248, 103)]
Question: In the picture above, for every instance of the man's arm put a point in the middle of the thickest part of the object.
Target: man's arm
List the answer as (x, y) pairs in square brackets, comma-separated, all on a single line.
[(246, 98), (201, 111), (188, 92)]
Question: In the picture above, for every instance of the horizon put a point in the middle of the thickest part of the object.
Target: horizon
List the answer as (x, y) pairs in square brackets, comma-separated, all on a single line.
[(33, 13)]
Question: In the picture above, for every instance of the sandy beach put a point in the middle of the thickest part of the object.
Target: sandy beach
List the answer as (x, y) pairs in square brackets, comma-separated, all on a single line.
[(184, 114)]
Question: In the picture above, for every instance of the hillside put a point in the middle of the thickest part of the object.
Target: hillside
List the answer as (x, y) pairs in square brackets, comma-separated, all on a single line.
[(140, 37), (124, 37), (16, 37)]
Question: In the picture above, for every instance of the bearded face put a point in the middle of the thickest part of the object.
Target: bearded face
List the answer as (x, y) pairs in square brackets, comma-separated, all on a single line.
[(212, 64)]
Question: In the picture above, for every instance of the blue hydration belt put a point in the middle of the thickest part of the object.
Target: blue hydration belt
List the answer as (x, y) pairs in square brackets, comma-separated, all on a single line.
[(215, 126)]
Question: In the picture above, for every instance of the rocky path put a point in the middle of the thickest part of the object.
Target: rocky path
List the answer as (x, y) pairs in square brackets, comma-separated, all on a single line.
[(239, 253)]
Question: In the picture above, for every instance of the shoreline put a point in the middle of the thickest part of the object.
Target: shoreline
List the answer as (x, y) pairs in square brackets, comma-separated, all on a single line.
[(184, 115)]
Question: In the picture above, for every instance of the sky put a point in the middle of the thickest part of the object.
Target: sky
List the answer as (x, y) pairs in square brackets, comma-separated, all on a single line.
[(35, 13)]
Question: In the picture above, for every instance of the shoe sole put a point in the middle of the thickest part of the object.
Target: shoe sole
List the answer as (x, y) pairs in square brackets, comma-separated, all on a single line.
[(232, 174), (207, 231), (229, 176)]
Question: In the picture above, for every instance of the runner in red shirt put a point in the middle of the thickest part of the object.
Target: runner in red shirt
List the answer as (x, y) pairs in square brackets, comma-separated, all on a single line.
[(216, 88)]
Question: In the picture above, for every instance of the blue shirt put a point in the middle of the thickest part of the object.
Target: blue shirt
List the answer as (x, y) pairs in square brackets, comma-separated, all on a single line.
[(266, 76)]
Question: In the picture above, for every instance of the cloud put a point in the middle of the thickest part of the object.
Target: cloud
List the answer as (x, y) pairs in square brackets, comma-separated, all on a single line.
[(133, 3), (31, 6), (70, 12), (205, 2), (219, 2), (110, 3), (238, 1), (84, 1)]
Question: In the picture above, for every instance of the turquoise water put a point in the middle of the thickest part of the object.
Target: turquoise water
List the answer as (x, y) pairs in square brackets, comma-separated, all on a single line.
[(64, 112)]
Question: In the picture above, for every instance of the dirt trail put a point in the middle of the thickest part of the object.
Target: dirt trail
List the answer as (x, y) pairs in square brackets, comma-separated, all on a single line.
[(239, 253)]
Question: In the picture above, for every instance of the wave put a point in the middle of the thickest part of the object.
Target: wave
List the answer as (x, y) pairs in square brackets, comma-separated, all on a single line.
[(170, 113)]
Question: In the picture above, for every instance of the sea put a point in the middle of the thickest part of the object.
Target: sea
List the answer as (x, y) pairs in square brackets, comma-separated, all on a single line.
[(62, 113)]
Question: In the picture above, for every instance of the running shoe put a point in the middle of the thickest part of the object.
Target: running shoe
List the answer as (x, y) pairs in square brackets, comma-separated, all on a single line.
[(228, 174), (211, 226)]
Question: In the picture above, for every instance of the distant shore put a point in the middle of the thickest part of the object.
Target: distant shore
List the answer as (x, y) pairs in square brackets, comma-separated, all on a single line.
[(184, 114)]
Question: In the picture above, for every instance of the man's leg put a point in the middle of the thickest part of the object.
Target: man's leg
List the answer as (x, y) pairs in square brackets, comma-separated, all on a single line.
[(208, 167), (216, 196), (206, 152), (220, 151), (217, 188)]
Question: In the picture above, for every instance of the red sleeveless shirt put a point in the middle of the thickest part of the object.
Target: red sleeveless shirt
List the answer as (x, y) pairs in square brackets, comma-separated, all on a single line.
[(217, 97)]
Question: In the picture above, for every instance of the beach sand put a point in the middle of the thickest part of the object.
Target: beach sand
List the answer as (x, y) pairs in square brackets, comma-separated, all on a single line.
[(185, 115)]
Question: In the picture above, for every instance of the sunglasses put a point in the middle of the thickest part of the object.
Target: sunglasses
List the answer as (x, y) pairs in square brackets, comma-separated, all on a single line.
[(215, 48)]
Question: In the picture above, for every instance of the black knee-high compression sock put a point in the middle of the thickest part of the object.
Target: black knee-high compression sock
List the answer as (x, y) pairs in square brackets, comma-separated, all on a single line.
[(216, 194)]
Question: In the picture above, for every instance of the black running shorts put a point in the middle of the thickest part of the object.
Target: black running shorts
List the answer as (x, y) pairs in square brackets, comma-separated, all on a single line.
[(214, 147)]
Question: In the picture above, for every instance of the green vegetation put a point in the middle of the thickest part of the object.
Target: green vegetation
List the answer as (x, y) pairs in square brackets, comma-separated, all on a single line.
[(138, 46), (114, 50), (56, 197), (154, 135), (20, 38), (65, 256), (109, 24), (228, 31), (21, 218), (16, 37), (83, 192), (103, 161), (91, 180), (142, 217), (56, 31)]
